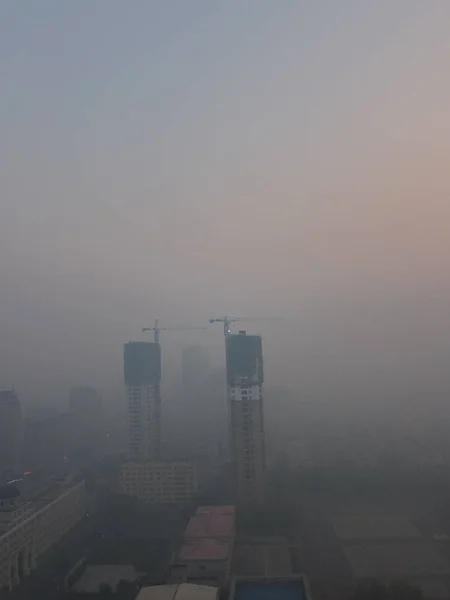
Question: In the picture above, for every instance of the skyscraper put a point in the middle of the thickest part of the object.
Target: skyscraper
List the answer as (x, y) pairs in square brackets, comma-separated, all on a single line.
[(245, 379), (11, 429), (142, 372)]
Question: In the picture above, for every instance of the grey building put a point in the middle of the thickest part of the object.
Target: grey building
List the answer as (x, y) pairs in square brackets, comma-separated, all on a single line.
[(142, 374), (245, 378)]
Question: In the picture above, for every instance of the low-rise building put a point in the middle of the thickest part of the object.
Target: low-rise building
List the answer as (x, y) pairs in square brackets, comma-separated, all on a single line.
[(207, 551), (32, 522), (207, 560), (158, 481)]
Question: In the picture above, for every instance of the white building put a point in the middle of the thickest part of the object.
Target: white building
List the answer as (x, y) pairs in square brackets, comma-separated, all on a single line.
[(142, 371), (32, 523)]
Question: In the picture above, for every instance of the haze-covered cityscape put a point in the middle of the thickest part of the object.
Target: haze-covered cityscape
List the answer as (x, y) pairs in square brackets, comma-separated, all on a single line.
[(225, 300)]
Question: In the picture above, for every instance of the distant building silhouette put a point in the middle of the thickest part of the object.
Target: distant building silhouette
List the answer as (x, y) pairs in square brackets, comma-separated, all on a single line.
[(86, 408), (11, 428), (48, 441), (85, 400), (195, 370)]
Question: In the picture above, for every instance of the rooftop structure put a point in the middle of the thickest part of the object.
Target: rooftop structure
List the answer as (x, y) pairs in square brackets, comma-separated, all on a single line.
[(212, 521), (183, 591), (205, 549), (261, 588), (263, 557)]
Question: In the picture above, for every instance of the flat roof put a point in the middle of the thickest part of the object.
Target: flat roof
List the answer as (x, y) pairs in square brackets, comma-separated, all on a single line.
[(205, 549), (182, 591), (225, 509), (370, 527), (396, 561), (211, 521), (271, 589), (263, 560)]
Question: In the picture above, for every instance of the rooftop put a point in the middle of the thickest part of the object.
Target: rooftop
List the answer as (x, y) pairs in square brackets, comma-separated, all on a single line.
[(183, 591), (211, 521), (271, 589), (205, 549), (397, 561), (374, 527), (263, 558)]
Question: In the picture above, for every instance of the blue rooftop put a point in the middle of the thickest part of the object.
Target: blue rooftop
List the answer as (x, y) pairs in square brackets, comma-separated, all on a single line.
[(270, 590)]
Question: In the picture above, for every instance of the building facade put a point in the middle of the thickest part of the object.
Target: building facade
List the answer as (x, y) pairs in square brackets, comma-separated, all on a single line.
[(245, 378), (158, 481), (31, 524), (142, 373), (11, 429)]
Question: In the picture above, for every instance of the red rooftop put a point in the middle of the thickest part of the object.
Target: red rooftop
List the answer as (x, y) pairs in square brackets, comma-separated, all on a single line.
[(211, 522)]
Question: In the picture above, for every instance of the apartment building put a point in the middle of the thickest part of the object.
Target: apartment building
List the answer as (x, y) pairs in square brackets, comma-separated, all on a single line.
[(142, 374), (158, 481), (245, 378)]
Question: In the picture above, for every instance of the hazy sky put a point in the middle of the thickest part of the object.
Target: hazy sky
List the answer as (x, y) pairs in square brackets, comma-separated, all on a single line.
[(184, 159)]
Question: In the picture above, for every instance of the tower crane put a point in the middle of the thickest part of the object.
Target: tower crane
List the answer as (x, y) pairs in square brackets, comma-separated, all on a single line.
[(228, 321), (157, 329)]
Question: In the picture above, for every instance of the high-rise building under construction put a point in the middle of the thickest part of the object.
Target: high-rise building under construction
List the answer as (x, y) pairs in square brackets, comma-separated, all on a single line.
[(142, 372), (245, 378)]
